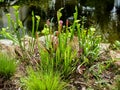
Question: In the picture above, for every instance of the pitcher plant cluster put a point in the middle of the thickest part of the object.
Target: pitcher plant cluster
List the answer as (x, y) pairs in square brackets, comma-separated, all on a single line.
[(58, 58)]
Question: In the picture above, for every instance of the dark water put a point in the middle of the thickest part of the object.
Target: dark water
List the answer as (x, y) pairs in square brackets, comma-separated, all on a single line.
[(103, 14)]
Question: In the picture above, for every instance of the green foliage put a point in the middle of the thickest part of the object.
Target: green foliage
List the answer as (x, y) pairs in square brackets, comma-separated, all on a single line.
[(15, 30), (117, 83), (65, 56), (7, 66), (74, 24), (38, 80), (89, 43), (61, 59), (1, 1), (116, 45), (59, 14), (45, 30), (59, 55), (8, 35), (34, 31), (99, 68)]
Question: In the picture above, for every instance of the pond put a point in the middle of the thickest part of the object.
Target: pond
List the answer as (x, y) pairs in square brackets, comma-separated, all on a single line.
[(104, 15)]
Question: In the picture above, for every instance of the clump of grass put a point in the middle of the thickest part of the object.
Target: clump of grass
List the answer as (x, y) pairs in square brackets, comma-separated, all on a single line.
[(38, 80), (7, 66)]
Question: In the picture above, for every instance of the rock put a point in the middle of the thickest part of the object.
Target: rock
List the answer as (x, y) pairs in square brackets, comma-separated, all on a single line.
[(54, 40), (26, 42), (43, 39), (7, 47), (6, 42), (115, 55), (104, 47), (117, 63)]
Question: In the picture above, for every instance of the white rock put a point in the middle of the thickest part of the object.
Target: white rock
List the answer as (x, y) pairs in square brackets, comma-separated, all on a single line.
[(104, 47), (6, 42)]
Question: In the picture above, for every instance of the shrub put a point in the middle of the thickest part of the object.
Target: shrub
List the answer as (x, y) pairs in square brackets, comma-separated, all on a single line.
[(7, 66)]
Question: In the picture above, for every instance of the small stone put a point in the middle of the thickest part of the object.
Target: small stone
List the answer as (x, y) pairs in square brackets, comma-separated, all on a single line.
[(117, 63), (104, 47), (6, 42), (7, 47)]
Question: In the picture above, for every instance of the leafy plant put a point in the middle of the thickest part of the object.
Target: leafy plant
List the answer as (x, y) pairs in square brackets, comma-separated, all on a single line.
[(116, 45), (74, 23), (61, 59), (65, 57), (38, 80), (1, 1), (15, 30), (8, 35), (34, 32), (7, 66), (46, 30), (89, 43), (59, 54)]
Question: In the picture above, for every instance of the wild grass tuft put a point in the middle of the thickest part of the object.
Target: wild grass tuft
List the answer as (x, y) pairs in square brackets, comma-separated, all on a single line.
[(7, 66), (38, 80)]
